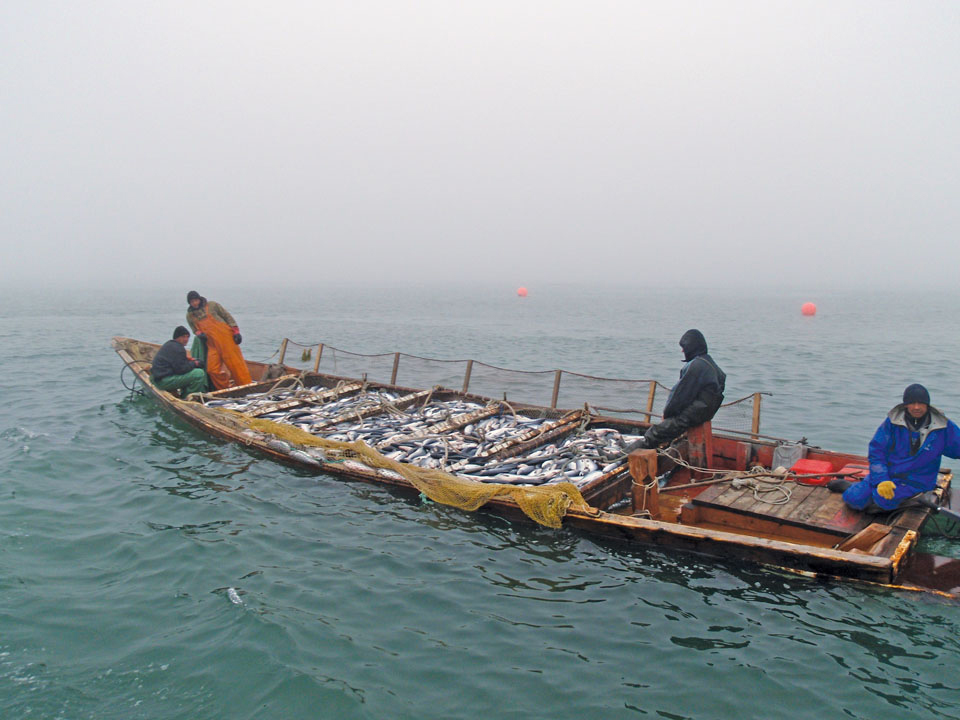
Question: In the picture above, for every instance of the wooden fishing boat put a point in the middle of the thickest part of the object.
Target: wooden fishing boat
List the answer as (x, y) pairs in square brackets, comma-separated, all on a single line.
[(710, 493)]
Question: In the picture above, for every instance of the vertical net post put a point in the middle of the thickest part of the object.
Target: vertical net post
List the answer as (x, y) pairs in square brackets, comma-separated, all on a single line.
[(396, 366), (755, 424), (466, 377), (283, 350), (556, 389), (316, 364), (651, 395)]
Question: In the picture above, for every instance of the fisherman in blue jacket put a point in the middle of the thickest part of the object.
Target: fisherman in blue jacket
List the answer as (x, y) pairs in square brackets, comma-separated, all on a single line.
[(904, 455)]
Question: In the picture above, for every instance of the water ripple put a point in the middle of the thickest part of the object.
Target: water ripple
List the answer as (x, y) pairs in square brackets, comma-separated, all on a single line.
[(123, 531)]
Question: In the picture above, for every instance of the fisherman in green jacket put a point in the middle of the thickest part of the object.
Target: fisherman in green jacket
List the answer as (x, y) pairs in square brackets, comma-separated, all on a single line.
[(174, 369)]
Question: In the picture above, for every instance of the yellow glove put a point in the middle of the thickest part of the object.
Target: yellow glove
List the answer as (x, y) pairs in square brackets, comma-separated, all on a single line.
[(885, 489)]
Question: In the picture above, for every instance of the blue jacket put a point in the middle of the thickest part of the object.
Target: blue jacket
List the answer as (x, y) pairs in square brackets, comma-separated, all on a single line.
[(890, 457)]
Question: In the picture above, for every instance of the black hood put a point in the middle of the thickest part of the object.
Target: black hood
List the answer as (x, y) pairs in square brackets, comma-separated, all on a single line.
[(194, 295), (693, 344)]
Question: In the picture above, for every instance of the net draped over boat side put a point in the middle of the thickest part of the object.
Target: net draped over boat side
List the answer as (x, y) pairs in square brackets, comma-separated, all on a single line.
[(545, 504)]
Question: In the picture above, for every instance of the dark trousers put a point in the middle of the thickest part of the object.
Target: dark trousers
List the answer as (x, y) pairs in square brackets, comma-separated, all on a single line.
[(668, 430), (673, 427)]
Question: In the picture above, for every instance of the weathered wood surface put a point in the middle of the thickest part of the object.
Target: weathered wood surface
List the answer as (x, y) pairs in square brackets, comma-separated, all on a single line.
[(700, 448), (454, 423), (644, 492), (835, 516), (317, 398), (735, 546), (361, 414), (811, 507), (866, 538), (246, 388), (812, 510), (256, 386), (707, 517), (608, 488), (541, 436), (521, 442)]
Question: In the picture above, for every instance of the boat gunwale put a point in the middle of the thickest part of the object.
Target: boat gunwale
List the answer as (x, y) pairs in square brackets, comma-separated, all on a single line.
[(797, 557)]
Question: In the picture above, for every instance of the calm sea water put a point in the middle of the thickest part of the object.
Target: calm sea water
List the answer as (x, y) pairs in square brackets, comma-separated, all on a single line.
[(122, 529)]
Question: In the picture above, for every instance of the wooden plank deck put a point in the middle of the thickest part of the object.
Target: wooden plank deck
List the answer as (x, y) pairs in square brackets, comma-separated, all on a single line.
[(810, 508)]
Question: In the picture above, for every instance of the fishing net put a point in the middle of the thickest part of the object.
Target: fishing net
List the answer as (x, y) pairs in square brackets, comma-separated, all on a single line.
[(415, 371), (736, 415), (629, 398), (334, 361), (516, 385), (636, 399), (611, 396), (546, 504), (552, 388)]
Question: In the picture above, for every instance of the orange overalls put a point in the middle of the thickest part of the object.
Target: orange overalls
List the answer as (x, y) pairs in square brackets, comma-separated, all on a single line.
[(224, 358)]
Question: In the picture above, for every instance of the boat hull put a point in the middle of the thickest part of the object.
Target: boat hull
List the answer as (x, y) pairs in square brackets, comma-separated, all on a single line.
[(812, 554)]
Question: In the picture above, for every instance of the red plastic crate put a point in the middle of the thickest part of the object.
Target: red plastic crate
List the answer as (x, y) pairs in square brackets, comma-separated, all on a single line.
[(809, 467)]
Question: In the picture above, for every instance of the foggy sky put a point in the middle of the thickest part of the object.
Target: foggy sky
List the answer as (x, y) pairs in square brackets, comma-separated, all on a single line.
[(641, 142)]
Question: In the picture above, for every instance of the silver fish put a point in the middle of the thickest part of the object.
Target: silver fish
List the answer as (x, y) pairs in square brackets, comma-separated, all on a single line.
[(279, 446), (301, 456)]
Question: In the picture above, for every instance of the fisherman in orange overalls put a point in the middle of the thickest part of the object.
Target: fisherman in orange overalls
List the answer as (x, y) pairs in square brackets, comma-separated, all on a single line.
[(210, 320)]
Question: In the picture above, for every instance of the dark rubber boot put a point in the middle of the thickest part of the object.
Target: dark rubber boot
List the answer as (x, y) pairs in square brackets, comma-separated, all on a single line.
[(838, 485)]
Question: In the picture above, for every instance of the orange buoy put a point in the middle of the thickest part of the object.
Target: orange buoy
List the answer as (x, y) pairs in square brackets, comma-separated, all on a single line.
[(808, 309), (522, 291)]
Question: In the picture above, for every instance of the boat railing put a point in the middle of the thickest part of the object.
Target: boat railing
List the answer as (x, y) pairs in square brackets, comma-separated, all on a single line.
[(554, 388)]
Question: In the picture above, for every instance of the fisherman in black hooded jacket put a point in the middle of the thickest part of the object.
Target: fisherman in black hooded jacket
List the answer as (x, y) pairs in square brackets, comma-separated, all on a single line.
[(695, 398)]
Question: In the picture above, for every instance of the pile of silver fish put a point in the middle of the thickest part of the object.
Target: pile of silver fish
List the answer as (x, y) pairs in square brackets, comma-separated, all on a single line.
[(428, 434)]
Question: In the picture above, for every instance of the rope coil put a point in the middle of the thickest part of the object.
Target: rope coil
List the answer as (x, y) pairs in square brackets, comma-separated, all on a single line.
[(752, 478), (764, 487)]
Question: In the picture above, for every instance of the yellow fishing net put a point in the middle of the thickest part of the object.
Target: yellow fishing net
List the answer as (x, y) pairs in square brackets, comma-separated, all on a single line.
[(546, 504)]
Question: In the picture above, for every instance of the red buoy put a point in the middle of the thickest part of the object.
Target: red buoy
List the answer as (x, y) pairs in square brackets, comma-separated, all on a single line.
[(522, 291), (808, 309)]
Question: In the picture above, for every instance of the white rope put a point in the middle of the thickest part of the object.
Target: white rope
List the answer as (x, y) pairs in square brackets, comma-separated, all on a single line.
[(647, 487), (764, 487)]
